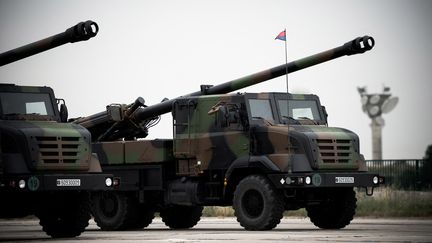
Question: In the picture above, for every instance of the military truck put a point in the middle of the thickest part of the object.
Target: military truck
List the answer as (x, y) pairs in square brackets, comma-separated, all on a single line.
[(46, 164), (262, 153)]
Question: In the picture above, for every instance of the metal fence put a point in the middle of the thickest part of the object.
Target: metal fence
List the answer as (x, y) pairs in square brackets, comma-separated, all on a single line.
[(403, 174)]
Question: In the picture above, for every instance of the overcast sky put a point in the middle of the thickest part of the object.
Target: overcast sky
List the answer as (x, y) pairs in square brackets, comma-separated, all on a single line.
[(158, 49)]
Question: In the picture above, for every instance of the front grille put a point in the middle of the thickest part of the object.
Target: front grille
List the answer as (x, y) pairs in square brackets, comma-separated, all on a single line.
[(333, 151), (58, 150)]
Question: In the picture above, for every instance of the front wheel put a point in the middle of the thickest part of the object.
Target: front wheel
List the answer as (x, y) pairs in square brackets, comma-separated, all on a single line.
[(257, 205), (336, 211), (65, 215)]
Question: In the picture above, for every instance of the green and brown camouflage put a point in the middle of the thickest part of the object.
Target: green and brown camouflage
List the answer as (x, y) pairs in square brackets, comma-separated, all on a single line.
[(33, 138), (134, 152), (79, 32), (218, 131)]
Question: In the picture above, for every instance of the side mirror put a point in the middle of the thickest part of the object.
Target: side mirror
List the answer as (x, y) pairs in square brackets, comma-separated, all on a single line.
[(63, 112), (325, 113)]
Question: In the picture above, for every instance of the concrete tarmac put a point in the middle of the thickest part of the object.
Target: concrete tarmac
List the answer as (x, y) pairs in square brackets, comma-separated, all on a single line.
[(228, 230)]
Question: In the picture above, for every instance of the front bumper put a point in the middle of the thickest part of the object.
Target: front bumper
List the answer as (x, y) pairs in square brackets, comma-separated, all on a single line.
[(56, 182), (323, 179)]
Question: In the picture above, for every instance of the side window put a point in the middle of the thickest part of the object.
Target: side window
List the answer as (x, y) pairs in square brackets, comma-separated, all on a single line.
[(261, 109)]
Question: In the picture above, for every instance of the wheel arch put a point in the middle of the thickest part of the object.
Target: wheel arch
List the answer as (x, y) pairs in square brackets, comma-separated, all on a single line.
[(243, 167)]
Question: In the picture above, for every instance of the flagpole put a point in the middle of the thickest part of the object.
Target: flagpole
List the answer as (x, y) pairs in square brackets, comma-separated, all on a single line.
[(286, 62), (288, 109), (282, 36)]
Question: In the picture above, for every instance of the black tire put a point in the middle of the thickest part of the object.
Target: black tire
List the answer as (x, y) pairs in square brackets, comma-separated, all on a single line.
[(65, 215), (181, 217), (336, 212), (145, 214), (257, 205), (115, 211)]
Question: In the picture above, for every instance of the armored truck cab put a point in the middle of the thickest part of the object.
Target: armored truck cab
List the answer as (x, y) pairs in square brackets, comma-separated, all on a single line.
[(46, 164), (218, 130), (34, 138)]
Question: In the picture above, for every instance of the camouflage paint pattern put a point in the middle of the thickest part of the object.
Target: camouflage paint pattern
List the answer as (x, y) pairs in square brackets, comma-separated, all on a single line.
[(202, 144), (331, 148), (134, 152), (210, 146), (199, 143), (57, 146), (40, 142)]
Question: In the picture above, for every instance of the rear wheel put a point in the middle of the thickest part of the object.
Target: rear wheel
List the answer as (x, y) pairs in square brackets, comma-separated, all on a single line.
[(65, 215), (257, 205), (181, 217), (145, 217), (336, 211), (115, 210)]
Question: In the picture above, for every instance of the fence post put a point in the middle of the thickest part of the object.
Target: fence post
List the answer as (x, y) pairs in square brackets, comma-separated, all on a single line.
[(417, 175)]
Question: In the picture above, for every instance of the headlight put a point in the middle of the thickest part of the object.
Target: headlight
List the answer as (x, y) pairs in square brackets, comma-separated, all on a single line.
[(22, 184), (308, 180), (375, 180), (108, 182)]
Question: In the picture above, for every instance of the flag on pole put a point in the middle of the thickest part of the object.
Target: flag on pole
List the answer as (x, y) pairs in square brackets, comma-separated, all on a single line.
[(281, 36)]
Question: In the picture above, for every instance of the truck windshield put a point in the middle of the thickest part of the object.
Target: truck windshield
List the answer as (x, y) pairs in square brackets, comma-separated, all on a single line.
[(26, 103), (299, 109)]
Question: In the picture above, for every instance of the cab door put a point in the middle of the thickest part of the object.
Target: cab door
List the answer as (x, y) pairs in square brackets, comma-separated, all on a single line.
[(208, 134)]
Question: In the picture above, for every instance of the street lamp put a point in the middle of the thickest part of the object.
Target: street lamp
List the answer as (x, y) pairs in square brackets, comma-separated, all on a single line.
[(374, 105)]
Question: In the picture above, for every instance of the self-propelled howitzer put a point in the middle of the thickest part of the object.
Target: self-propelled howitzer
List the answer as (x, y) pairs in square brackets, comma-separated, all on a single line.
[(121, 121), (262, 153), (79, 32)]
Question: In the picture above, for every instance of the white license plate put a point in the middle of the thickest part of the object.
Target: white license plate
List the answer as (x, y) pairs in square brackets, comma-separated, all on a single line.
[(68, 182), (344, 180)]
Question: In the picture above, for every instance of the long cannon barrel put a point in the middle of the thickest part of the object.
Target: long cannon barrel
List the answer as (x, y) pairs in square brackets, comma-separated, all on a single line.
[(120, 121), (79, 32), (356, 46)]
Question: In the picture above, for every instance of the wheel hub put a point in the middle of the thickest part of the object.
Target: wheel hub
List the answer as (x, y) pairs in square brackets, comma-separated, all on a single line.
[(253, 203)]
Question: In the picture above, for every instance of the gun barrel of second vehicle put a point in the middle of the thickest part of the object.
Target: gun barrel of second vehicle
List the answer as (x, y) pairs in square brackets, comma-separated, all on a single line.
[(100, 122), (79, 32), (356, 46)]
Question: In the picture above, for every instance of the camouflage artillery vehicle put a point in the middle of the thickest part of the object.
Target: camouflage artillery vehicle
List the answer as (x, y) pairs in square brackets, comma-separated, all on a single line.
[(261, 153), (46, 164)]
